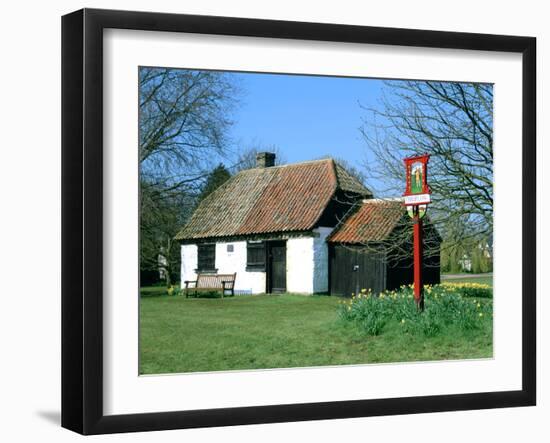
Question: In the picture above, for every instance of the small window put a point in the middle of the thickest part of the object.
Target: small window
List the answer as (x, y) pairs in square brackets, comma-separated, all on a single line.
[(255, 256), (230, 248), (206, 258)]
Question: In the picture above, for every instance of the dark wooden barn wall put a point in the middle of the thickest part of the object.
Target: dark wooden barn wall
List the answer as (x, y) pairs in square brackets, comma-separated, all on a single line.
[(402, 273), (352, 268)]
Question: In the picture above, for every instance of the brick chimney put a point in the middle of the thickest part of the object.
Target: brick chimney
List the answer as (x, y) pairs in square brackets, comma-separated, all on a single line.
[(265, 159)]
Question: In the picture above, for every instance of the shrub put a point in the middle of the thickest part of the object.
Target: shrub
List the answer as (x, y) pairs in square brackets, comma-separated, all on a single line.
[(372, 324), (477, 290), (369, 312), (173, 290), (429, 323), (445, 307)]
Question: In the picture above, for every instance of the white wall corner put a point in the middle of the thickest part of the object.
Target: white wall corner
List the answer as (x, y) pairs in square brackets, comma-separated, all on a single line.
[(188, 263)]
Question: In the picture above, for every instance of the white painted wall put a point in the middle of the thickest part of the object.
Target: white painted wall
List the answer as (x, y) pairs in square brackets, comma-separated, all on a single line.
[(226, 263), (230, 262), (188, 263), (299, 265), (306, 264)]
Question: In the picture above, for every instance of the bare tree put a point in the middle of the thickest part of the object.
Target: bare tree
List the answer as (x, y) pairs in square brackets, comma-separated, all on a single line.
[(183, 123), (454, 123), (184, 120)]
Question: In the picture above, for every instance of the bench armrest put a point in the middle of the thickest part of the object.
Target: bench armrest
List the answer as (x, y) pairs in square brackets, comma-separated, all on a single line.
[(187, 282)]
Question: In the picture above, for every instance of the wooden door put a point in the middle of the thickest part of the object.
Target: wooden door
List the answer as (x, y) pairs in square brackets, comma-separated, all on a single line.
[(276, 269), (353, 269)]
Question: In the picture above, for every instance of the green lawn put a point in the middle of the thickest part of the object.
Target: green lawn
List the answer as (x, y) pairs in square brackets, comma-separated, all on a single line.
[(153, 291), (482, 280), (253, 332)]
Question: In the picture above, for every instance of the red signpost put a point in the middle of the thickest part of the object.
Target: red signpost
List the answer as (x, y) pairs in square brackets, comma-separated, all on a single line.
[(417, 197), (418, 286)]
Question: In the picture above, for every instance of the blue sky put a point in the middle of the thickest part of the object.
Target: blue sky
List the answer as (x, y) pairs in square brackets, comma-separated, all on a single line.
[(306, 117)]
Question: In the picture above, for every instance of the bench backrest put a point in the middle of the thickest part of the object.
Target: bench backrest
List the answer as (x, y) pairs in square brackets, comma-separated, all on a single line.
[(214, 281)]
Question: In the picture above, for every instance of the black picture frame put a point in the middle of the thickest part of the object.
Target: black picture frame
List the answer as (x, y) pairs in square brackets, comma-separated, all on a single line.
[(82, 215)]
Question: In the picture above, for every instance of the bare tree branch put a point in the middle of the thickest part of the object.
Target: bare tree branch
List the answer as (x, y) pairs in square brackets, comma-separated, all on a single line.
[(454, 123)]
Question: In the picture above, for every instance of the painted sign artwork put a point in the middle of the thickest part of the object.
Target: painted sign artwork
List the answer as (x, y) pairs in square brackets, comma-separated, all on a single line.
[(416, 177), (420, 213)]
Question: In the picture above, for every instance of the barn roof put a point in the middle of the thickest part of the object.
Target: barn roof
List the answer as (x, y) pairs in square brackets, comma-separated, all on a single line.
[(273, 199), (369, 221)]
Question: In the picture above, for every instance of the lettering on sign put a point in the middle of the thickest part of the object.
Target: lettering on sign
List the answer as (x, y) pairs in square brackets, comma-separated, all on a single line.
[(417, 199)]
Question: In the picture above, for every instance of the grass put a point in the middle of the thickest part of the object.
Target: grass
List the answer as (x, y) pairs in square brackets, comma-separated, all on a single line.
[(254, 332), (153, 291), (482, 280)]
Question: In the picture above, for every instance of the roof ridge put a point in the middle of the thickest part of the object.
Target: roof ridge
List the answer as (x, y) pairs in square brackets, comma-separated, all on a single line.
[(271, 168), (287, 165)]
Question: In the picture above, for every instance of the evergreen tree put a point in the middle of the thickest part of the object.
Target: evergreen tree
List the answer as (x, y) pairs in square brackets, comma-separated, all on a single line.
[(215, 179)]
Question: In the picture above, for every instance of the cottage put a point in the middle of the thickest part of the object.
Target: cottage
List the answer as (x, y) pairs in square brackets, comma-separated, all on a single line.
[(270, 226)]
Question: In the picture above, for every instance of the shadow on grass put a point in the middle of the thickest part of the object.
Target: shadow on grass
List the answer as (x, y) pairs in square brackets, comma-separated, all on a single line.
[(153, 291)]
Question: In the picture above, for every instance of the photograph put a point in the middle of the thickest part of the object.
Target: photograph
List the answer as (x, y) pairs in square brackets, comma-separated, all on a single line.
[(296, 221)]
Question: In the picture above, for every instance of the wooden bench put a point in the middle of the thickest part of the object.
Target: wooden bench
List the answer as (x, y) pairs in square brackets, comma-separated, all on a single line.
[(211, 282)]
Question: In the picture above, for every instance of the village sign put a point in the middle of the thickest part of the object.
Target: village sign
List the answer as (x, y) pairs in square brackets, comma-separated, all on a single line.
[(416, 198)]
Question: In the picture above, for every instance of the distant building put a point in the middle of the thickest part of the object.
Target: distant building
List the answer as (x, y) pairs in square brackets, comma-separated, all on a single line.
[(465, 263), (162, 265)]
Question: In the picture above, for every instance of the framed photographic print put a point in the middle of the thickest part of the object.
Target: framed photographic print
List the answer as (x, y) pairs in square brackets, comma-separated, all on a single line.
[(269, 221)]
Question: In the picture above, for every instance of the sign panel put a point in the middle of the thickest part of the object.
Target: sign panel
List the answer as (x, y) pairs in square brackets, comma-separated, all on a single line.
[(416, 169), (417, 199)]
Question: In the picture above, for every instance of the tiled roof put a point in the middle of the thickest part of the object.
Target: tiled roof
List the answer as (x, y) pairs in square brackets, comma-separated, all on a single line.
[(274, 199), (369, 221)]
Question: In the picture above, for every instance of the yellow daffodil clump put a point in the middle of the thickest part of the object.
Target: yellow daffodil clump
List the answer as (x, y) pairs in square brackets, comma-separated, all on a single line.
[(448, 307)]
